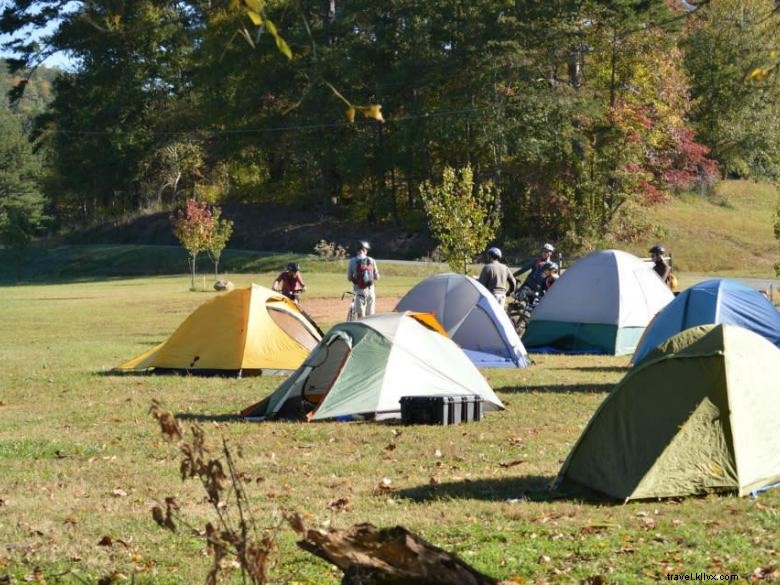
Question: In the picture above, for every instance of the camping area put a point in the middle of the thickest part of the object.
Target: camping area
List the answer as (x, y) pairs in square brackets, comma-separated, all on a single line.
[(84, 463), (389, 293)]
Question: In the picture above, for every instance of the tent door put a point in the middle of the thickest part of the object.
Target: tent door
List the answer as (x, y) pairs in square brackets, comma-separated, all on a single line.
[(330, 361)]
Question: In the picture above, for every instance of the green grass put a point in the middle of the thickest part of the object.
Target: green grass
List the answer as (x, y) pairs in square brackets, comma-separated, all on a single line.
[(74, 439)]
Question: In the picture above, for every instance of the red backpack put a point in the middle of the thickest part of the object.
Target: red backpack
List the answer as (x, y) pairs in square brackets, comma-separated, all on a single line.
[(364, 272)]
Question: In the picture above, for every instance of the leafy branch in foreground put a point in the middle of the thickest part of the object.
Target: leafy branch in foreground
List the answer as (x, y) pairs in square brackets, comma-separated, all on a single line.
[(234, 533)]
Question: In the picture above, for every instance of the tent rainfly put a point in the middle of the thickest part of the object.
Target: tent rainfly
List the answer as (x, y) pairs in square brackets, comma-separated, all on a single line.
[(247, 330), (472, 317), (712, 302), (601, 304), (363, 368), (698, 414)]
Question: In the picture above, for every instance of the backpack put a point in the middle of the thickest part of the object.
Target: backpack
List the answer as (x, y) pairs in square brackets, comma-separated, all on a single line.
[(364, 272), (671, 281)]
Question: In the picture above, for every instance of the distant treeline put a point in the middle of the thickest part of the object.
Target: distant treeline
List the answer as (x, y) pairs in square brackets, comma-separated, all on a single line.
[(580, 112)]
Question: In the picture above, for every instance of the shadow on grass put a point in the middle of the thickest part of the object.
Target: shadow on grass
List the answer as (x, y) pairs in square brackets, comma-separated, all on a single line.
[(557, 389), (592, 368), (531, 488), (199, 417)]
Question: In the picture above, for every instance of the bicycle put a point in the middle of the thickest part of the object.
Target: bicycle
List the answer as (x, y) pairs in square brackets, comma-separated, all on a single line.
[(351, 310)]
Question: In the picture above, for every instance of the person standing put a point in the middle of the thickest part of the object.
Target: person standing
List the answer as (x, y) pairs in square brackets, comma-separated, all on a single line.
[(362, 272), (496, 277), (662, 269)]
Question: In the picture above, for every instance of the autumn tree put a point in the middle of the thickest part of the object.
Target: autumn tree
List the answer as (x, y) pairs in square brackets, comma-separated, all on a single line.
[(461, 215), (193, 226)]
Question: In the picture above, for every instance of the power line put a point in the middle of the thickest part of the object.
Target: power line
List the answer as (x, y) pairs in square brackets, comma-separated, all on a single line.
[(302, 128)]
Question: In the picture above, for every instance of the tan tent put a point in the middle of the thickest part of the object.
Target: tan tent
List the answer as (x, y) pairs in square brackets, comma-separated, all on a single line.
[(363, 368), (244, 331)]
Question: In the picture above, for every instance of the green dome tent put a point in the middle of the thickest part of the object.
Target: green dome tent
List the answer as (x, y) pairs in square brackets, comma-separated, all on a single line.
[(699, 414), (363, 368)]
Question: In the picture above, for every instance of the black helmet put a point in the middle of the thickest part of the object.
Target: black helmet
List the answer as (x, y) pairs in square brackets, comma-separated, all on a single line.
[(363, 245), (494, 253), (658, 249), (549, 266), (293, 266)]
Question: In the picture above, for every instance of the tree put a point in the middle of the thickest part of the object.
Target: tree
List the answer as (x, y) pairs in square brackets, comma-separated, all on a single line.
[(21, 202), (461, 215), (736, 113), (221, 231), (193, 226)]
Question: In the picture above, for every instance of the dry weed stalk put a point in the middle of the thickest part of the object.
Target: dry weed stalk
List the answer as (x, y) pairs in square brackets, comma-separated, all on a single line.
[(234, 531)]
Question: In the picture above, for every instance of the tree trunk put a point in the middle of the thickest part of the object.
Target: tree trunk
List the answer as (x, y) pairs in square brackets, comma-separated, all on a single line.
[(389, 556)]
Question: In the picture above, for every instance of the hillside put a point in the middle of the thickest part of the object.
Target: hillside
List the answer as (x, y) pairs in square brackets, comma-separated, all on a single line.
[(729, 231)]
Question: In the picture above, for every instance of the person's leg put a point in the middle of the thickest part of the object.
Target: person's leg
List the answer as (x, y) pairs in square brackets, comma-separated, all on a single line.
[(370, 300)]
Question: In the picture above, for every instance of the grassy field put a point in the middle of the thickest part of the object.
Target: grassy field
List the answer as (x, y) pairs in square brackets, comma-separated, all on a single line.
[(81, 459)]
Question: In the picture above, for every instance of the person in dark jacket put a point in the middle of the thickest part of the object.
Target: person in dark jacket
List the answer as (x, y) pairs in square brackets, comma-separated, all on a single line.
[(536, 278), (660, 266)]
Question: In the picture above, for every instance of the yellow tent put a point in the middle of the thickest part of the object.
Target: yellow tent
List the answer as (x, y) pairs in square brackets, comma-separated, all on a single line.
[(244, 330)]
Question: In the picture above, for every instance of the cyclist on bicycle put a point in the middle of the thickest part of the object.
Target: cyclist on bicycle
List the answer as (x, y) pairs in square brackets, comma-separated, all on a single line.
[(536, 278), (290, 282)]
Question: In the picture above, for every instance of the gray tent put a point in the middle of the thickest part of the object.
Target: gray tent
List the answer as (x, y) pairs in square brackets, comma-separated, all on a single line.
[(472, 317)]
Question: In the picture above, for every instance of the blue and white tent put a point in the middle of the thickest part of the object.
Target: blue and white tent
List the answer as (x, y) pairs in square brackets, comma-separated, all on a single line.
[(714, 302), (472, 318)]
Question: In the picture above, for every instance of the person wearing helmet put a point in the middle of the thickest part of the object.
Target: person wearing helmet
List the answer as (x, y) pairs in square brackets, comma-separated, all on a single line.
[(496, 277), (536, 277), (290, 282), (660, 266), (362, 272)]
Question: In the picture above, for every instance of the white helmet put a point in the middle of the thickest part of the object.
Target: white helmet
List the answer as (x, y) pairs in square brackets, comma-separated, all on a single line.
[(494, 252), (548, 248)]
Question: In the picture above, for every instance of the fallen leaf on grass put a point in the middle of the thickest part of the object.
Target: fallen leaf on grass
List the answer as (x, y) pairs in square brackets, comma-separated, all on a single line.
[(119, 493), (296, 522), (36, 576), (648, 523), (597, 528), (390, 447), (386, 485), (511, 463), (106, 541), (764, 574), (340, 505), (71, 520), (594, 580)]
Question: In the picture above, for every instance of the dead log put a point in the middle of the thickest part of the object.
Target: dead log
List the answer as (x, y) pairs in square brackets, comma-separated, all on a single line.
[(387, 556)]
